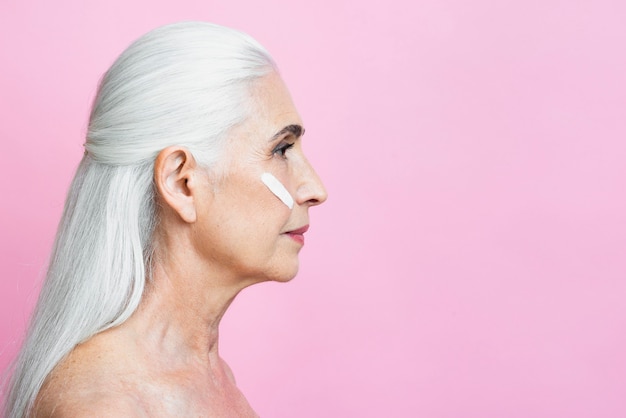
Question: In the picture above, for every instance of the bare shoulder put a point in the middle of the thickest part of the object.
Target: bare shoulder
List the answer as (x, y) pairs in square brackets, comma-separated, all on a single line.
[(66, 394), (87, 383), (98, 405)]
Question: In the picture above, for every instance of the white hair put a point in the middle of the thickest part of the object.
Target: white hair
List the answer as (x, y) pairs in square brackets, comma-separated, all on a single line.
[(183, 84)]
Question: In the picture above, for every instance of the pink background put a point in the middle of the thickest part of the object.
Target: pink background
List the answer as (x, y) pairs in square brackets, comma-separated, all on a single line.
[(471, 258)]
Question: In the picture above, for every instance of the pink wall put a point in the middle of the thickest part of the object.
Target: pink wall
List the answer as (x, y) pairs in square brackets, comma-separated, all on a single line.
[(471, 258)]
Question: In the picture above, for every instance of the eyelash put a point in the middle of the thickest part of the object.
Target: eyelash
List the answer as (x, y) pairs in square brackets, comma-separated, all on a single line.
[(281, 149)]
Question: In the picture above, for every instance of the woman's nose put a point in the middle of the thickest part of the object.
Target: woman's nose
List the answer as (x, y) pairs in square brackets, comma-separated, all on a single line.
[(311, 190)]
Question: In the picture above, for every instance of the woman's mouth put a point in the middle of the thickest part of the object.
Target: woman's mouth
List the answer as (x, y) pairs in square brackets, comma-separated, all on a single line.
[(298, 234)]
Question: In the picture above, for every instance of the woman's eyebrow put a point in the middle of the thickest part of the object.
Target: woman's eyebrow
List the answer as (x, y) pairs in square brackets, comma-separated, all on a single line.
[(295, 130)]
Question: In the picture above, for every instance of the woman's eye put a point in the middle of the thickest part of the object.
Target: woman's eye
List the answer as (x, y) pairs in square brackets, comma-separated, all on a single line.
[(281, 149)]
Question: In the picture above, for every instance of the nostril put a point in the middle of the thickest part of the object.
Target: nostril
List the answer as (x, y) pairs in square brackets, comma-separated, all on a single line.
[(318, 200)]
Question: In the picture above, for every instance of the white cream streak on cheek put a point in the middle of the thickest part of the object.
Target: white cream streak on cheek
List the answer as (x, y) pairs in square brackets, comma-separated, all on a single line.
[(277, 188)]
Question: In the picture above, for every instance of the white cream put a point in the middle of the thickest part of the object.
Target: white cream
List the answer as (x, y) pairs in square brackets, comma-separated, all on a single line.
[(277, 188)]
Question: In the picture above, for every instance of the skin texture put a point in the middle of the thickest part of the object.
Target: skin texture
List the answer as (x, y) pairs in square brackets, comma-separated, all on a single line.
[(219, 232)]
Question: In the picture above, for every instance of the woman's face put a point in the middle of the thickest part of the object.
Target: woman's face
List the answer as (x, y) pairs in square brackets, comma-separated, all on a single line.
[(243, 228)]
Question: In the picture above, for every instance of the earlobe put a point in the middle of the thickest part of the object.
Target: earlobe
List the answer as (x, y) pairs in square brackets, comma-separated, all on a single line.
[(174, 171)]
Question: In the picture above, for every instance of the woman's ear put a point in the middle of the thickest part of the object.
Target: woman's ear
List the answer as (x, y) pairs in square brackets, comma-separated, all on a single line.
[(174, 177)]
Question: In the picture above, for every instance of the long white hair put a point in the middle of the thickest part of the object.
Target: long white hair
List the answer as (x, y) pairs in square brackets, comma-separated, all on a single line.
[(182, 84)]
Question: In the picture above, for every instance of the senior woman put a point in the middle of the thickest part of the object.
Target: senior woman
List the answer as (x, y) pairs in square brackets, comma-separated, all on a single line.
[(193, 186)]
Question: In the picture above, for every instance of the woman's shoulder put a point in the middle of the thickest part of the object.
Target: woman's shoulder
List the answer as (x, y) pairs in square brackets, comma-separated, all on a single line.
[(64, 395), (95, 404), (89, 380)]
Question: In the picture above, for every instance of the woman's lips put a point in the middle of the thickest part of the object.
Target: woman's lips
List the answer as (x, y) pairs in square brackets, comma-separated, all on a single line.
[(298, 234)]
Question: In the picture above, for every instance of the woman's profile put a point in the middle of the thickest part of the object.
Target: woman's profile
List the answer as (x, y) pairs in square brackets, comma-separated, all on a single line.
[(193, 186)]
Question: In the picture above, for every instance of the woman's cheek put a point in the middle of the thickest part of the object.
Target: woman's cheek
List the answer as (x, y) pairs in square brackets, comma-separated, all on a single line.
[(278, 189)]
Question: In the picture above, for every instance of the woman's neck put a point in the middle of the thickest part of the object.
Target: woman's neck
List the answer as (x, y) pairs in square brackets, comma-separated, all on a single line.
[(180, 312)]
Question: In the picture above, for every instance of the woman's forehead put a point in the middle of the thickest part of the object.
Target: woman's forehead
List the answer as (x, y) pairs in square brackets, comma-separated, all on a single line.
[(273, 107)]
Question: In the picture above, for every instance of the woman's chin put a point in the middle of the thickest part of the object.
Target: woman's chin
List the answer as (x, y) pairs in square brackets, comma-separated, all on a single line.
[(287, 278), (285, 273)]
